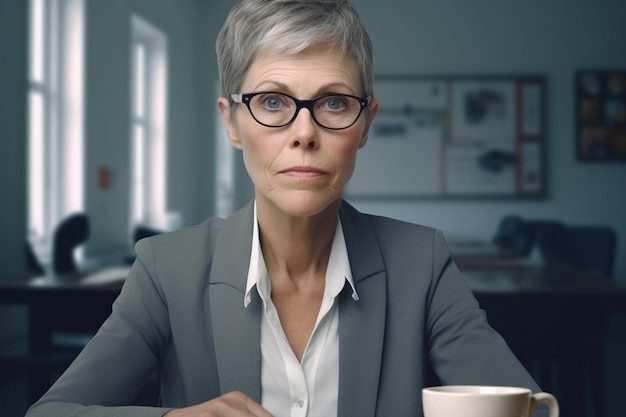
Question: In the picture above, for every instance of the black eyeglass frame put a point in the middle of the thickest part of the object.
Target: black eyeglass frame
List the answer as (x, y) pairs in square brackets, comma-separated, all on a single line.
[(246, 98)]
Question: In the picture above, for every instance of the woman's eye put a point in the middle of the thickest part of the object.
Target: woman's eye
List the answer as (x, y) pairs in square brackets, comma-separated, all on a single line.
[(334, 103), (272, 102)]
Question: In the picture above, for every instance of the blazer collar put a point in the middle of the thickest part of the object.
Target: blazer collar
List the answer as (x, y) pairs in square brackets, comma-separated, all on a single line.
[(233, 246), (236, 329)]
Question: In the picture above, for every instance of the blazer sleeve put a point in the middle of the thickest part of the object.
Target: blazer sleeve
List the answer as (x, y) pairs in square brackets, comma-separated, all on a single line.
[(121, 357), (462, 347)]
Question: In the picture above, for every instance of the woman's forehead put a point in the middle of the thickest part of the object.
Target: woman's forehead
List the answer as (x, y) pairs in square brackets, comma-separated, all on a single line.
[(320, 65)]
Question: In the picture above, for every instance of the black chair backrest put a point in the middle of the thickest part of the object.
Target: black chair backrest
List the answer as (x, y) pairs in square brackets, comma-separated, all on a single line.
[(141, 232), (588, 247), (518, 236), (539, 227), (513, 236), (70, 233)]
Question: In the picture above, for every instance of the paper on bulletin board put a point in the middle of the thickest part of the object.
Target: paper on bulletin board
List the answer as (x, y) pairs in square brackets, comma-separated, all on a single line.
[(404, 150), (401, 157), (407, 97), (483, 111), (465, 174)]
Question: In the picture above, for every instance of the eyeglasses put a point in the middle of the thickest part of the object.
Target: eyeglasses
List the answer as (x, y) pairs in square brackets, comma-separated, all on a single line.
[(331, 111)]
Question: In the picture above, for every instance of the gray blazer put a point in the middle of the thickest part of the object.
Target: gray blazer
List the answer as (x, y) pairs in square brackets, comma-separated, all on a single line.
[(181, 313)]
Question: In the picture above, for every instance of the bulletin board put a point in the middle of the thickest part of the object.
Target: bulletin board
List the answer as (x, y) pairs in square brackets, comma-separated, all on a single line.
[(455, 136)]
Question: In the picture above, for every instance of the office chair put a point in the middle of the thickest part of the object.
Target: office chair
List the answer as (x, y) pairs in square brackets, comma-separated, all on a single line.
[(140, 232), (513, 236), (70, 233), (588, 247), (591, 248), (518, 236)]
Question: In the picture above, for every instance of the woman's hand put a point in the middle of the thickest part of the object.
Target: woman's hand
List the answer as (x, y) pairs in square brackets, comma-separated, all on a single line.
[(233, 404)]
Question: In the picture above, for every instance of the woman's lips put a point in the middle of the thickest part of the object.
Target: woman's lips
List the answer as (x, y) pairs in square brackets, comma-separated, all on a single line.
[(303, 172)]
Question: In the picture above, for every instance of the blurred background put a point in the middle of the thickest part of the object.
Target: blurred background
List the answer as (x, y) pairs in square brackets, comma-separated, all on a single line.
[(107, 108)]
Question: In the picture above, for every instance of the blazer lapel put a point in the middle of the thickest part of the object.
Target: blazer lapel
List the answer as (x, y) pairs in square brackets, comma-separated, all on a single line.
[(362, 322), (236, 329)]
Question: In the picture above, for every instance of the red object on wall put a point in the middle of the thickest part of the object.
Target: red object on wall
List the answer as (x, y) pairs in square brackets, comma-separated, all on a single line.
[(104, 178)]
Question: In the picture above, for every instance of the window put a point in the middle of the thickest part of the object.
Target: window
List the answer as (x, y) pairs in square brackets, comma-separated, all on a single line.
[(55, 107), (148, 130)]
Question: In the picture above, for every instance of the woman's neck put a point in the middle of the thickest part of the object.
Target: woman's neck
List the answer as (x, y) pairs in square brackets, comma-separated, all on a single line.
[(296, 248)]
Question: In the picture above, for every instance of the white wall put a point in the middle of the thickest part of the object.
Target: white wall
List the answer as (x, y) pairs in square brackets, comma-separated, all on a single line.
[(554, 38)]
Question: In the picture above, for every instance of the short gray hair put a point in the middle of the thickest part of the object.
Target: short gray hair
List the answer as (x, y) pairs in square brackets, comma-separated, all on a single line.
[(290, 26)]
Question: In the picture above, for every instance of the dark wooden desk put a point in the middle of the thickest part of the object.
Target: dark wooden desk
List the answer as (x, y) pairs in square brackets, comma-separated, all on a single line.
[(505, 286), (77, 303), (553, 317), (85, 299), (525, 278), (59, 304)]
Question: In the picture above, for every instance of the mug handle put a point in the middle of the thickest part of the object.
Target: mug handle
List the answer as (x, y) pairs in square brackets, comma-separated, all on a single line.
[(544, 398)]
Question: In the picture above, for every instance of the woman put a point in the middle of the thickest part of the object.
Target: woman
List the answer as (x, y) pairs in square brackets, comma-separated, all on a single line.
[(297, 305)]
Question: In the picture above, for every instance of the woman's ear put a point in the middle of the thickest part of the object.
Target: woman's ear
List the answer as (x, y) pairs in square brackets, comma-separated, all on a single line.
[(226, 111), (373, 109)]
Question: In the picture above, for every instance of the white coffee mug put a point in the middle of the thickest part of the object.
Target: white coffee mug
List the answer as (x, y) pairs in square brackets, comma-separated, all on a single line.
[(484, 401)]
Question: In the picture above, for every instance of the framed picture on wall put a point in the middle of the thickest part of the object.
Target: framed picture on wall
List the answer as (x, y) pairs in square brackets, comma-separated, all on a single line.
[(600, 109)]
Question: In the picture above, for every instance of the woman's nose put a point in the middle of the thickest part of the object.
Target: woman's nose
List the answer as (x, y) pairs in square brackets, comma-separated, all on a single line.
[(305, 131)]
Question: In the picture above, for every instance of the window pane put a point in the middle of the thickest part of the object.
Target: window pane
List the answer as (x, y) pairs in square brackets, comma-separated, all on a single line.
[(140, 75), (36, 166), (138, 172), (37, 31), (72, 184)]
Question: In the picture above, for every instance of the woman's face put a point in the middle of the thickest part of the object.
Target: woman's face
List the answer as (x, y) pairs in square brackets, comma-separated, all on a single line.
[(302, 168)]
